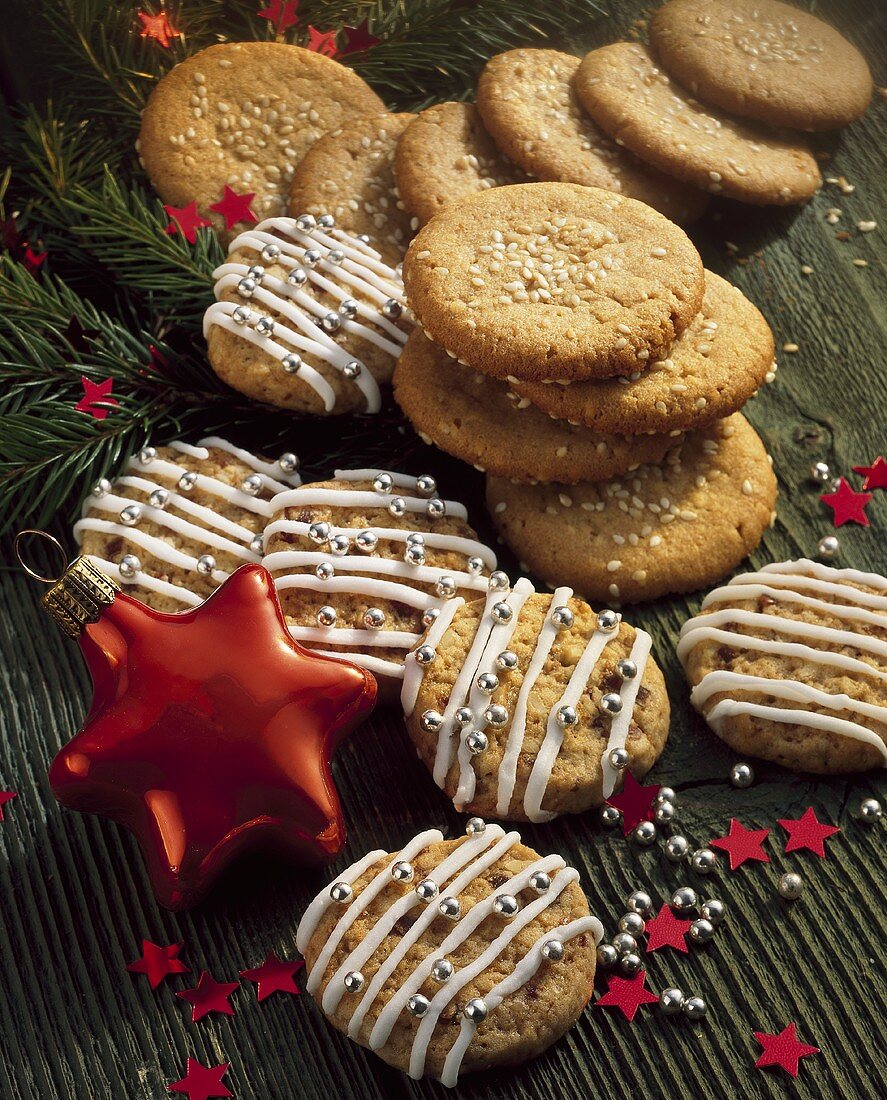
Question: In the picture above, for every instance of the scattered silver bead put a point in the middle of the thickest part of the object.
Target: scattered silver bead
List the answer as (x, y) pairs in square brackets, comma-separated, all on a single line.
[(392, 309), (671, 1001), (701, 930), (742, 775), (487, 682), (498, 581), (645, 834), (241, 315), (820, 472), (610, 703), (436, 508), (130, 515), (340, 545), (676, 848), (305, 223), (666, 794), (609, 816), (442, 970), (828, 547), (402, 871), (291, 363), (626, 669), (694, 1008), (427, 889), (632, 923), (540, 881), (713, 910), (475, 566), (506, 905), (430, 615), (265, 326), (129, 565), (507, 660), (331, 322), (703, 861), (246, 287), (476, 1010), (684, 899), (297, 277), (608, 621), (663, 813), (374, 618), (619, 759), (341, 892), (445, 587), (463, 716), (417, 1005), (431, 721), (631, 963), (425, 654), (870, 811), (383, 483), (352, 370), (325, 571), (496, 715), (427, 487), (624, 943), (206, 563), (319, 532), (257, 544), (414, 553), (366, 541), (397, 506), (562, 617), (639, 901), (450, 908), (147, 455), (353, 981), (566, 716), (607, 956), (270, 252), (476, 742), (475, 826), (790, 886), (101, 488), (553, 950), (252, 485), (327, 616), (502, 612)]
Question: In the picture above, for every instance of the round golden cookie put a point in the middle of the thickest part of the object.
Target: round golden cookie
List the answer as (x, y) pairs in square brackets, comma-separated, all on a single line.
[(712, 369), (764, 60), (494, 983), (637, 104), (790, 664), (475, 418), (553, 280), (244, 114), (660, 530), (349, 173), (445, 154), (521, 756), (528, 105)]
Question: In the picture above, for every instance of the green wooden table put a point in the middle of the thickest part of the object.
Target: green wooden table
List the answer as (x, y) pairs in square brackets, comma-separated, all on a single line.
[(75, 902)]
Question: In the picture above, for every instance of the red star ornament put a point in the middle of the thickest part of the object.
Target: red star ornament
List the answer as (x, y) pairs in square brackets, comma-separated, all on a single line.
[(274, 976), (358, 39), (235, 208), (807, 832), (158, 27), (96, 399), (209, 996), (627, 994), (158, 962), (667, 930), (211, 733), (783, 1050), (848, 506), (742, 844), (6, 796), (33, 261), (634, 801), (202, 1082), (323, 42), (186, 220), (875, 475), (281, 14)]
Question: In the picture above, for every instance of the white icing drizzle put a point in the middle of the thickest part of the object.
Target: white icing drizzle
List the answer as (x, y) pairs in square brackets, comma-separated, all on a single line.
[(356, 498), (163, 588), (379, 666), (315, 911), (412, 673), (433, 539), (640, 652)]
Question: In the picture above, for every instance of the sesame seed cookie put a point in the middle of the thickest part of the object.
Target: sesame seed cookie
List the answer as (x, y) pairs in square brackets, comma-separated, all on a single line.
[(790, 664), (712, 369), (306, 317), (764, 60), (244, 114), (553, 280), (446, 154), (365, 561), (475, 418), (639, 106), (349, 173), (528, 105), (660, 530), (528, 700), (451, 956), (181, 519)]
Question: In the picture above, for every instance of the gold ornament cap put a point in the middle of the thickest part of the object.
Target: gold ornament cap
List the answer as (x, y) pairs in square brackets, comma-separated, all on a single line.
[(79, 592)]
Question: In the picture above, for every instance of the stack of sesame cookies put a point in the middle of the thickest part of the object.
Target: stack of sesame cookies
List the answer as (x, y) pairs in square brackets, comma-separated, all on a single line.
[(572, 346)]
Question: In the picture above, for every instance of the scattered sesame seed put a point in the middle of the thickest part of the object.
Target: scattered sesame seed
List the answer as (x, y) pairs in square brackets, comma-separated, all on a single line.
[(866, 227), (613, 565), (747, 487), (790, 349), (860, 263), (806, 269)]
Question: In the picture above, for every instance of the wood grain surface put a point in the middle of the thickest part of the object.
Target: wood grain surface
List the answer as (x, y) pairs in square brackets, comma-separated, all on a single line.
[(75, 902)]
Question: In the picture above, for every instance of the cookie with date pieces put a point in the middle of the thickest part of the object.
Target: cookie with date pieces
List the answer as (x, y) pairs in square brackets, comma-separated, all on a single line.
[(181, 519), (662, 529), (525, 699), (717, 363), (789, 663), (641, 107), (476, 418), (307, 317), (763, 60), (451, 956), (244, 114), (528, 104), (446, 154), (364, 561), (349, 173), (553, 280)]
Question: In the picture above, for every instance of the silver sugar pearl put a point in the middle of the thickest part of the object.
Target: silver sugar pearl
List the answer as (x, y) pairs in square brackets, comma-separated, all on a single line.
[(663, 813), (445, 587), (677, 848), (671, 1001), (159, 498), (475, 826), (187, 481), (626, 669), (430, 615), (619, 759), (703, 861), (474, 566), (608, 621), (417, 1005), (506, 905), (645, 834), (540, 881), (348, 308), (424, 655), (498, 581), (101, 488), (476, 742), (331, 322), (441, 970), (487, 683), (297, 277), (609, 816), (684, 899), (701, 930), (607, 956), (129, 565), (246, 287), (713, 910), (476, 1010), (241, 315), (631, 963), (327, 616), (256, 272), (326, 221), (639, 901), (450, 908), (632, 923), (820, 472), (790, 886), (352, 370), (870, 811), (130, 515), (397, 506), (463, 716), (339, 545), (414, 553), (366, 541), (324, 571), (206, 563), (667, 794), (426, 486), (502, 612), (341, 892), (507, 660), (624, 943), (562, 617), (402, 871), (427, 889), (566, 716), (312, 257), (392, 309), (319, 532), (742, 775), (270, 252), (694, 1008), (252, 485), (383, 483), (374, 618), (353, 981), (552, 950), (291, 363), (610, 703), (436, 508), (305, 223), (496, 715), (828, 547), (431, 721), (147, 455), (335, 256)]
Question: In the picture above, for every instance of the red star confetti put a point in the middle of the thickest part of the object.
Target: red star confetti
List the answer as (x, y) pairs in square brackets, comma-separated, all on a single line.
[(667, 930), (807, 832), (96, 398), (33, 261), (323, 42), (158, 962), (742, 844), (274, 976), (158, 27), (848, 505), (358, 39), (627, 994), (634, 801), (235, 208), (281, 14), (209, 996), (783, 1050), (875, 475), (202, 1082), (185, 220), (6, 796)]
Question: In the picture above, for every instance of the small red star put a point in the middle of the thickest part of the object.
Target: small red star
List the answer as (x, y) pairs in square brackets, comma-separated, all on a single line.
[(158, 962), (807, 832), (742, 844), (96, 398), (784, 1050), (158, 27), (667, 930), (281, 14), (358, 39), (185, 220), (235, 208), (635, 801), (202, 1082), (209, 996), (6, 796), (848, 505), (627, 994), (323, 42), (274, 976), (875, 475), (33, 261)]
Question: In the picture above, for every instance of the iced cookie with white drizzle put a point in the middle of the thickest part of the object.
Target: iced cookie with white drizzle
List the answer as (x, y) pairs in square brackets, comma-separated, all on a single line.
[(452, 955), (790, 663), (181, 518), (307, 317), (528, 705), (363, 563)]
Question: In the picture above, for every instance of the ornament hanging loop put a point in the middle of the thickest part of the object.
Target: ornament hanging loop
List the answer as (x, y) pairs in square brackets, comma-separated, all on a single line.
[(78, 594), (54, 543)]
